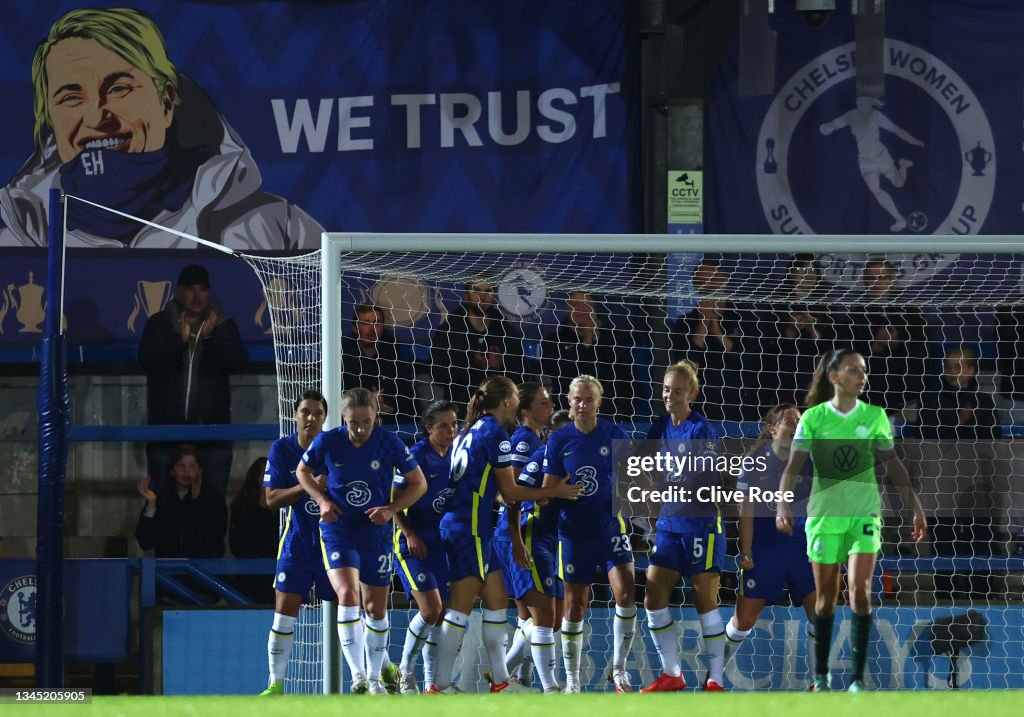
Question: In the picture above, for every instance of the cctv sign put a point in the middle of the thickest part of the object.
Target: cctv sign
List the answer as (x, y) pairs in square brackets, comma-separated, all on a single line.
[(686, 197)]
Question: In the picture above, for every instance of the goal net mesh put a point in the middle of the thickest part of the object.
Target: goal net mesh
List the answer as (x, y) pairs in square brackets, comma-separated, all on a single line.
[(941, 335)]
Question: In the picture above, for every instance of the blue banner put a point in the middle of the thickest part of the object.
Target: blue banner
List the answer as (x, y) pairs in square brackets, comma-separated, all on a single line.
[(936, 149), (257, 124), (219, 652)]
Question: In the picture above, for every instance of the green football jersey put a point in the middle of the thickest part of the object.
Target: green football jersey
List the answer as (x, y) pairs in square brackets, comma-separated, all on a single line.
[(843, 449)]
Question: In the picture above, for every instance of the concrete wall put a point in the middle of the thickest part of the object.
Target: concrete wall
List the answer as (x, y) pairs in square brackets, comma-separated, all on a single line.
[(102, 504)]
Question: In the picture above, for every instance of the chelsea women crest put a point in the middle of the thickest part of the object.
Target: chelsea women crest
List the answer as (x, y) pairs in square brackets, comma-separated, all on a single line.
[(18, 609), (920, 160)]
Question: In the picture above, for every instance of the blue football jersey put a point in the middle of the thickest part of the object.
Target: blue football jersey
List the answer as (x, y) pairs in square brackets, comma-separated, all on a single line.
[(699, 438), (424, 516), (587, 458), (301, 533), (524, 444), (475, 455), (543, 519), (765, 531), (358, 478)]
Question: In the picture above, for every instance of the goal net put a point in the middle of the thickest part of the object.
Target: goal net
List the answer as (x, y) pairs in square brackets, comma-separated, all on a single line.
[(419, 317)]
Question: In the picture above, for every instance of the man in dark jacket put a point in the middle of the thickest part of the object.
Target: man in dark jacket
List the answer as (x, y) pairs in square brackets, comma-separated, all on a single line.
[(370, 359), (189, 351), (475, 342)]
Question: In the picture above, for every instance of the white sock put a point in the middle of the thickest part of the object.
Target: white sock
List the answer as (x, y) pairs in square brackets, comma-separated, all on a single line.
[(495, 636), (449, 642), (377, 633), (542, 647), (713, 631), (811, 642), (520, 644), (430, 654), (733, 639), (350, 633), (415, 637), (666, 640), (279, 645), (623, 631), (572, 645)]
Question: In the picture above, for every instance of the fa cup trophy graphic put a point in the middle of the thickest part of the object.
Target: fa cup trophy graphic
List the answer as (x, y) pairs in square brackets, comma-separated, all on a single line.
[(27, 302)]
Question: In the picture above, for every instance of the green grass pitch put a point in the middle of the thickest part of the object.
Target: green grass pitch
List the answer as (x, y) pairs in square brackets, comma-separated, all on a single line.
[(790, 704)]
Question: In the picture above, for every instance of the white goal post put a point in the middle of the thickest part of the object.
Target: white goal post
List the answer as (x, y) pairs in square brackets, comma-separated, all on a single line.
[(648, 283)]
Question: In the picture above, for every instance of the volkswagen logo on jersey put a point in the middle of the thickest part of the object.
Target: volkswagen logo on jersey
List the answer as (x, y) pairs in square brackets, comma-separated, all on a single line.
[(845, 458), (311, 507), (358, 494), (587, 475)]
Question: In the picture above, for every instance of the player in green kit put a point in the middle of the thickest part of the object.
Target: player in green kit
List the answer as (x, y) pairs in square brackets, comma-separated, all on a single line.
[(843, 435)]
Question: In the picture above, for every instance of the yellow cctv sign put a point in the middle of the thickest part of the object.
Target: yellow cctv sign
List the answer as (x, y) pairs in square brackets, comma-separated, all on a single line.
[(685, 197)]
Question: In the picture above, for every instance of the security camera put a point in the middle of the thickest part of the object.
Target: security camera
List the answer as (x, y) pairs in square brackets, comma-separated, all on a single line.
[(815, 12)]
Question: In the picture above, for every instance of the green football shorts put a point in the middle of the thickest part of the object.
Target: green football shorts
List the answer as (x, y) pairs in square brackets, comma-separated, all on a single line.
[(844, 537)]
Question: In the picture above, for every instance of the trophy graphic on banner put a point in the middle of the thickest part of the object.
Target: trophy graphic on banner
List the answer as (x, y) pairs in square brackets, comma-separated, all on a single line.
[(150, 296), (281, 306), (27, 302), (770, 165), (978, 158)]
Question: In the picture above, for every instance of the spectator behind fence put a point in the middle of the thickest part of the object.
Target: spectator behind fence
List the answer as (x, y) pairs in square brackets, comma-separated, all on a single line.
[(584, 344), (960, 466), (189, 351), (721, 342), (799, 330), (891, 335), (369, 358), (1010, 356), (475, 342), (252, 532), (182, 517)]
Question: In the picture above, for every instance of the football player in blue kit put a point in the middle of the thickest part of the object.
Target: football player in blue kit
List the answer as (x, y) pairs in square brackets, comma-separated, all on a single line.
[(299, 562), (481, 468), (356, 540), (689, 541), (592, 538), (771, 561), (534, 580), (421, 562), (535, 409)]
